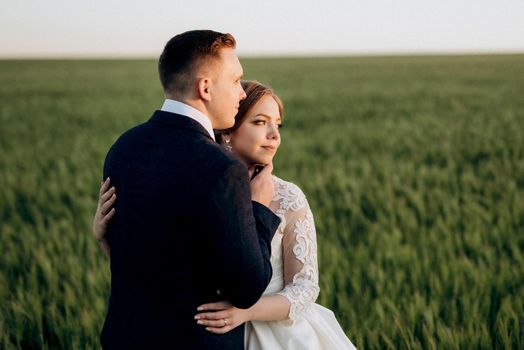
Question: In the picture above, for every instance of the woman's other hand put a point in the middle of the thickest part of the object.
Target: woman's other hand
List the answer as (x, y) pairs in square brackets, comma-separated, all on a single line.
[(104, 210)]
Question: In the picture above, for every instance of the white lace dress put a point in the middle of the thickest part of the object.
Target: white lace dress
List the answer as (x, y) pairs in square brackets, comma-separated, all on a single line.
[(295, 276)]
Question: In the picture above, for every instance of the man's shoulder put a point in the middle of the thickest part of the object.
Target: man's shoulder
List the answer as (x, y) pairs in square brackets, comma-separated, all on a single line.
[(219, 158), (195, 147), (160, 134), (132, 132)]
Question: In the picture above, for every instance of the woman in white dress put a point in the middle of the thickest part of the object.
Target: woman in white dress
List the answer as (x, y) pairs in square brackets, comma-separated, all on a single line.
[(286, 316)]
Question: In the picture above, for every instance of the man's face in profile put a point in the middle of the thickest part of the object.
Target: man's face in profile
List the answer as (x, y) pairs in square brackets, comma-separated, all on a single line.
[(226, 91)]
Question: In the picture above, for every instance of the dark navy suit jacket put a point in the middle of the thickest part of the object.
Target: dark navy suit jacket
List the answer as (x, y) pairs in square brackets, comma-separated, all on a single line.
[(184, 227)]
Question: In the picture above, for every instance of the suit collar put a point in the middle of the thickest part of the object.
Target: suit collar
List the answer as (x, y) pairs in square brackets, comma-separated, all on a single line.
[(179, 121), (182, 108)]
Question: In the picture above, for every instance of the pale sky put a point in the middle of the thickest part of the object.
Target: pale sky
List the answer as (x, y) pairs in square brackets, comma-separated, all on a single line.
[(111, 28)]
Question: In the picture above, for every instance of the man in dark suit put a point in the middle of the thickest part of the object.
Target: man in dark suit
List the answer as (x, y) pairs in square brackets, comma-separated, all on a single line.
[(189, 224)]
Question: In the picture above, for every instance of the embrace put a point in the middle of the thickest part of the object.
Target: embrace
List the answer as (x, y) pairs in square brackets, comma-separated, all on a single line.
[(208, 249)]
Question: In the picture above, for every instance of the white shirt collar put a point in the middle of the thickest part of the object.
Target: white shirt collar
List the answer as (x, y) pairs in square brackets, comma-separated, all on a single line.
[(178, 107)]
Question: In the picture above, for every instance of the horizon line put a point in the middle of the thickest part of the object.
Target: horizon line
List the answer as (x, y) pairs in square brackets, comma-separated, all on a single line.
[(138, 56)]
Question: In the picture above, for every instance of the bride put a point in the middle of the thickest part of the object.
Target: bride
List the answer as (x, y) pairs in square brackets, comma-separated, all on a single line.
[(286, 316)]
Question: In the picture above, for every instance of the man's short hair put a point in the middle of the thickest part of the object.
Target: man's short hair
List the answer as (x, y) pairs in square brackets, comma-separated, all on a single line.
[(184, 52)]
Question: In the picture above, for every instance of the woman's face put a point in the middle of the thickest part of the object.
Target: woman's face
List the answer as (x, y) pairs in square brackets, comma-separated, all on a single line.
[(257, 139)]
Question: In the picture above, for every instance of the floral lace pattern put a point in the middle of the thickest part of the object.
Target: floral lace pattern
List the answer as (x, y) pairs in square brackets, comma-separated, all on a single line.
[(299, 247)]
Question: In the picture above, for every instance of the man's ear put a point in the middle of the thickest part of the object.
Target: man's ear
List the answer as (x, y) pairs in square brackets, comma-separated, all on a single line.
[(204, 87)]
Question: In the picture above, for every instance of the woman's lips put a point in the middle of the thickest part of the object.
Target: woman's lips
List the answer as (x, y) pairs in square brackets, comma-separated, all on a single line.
[(270, 148)]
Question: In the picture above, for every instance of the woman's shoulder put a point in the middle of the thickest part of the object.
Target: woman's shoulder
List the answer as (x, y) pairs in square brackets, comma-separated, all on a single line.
[(288, 194)]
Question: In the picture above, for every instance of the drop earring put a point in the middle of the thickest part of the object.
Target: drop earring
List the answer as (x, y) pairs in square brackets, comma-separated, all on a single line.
[(228, 145)]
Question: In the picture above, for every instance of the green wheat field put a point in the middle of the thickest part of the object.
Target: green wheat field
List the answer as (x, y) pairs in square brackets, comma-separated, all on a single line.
[(413, 167)]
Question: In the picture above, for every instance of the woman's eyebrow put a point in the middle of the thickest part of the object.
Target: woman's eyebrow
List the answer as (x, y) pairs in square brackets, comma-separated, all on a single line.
[(267, 116)]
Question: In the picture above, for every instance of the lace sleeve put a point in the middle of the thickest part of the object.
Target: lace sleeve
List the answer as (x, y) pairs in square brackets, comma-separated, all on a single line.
[(299, 247)]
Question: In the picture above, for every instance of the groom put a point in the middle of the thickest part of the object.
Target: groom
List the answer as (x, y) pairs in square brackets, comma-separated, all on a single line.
[(189, 224)]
